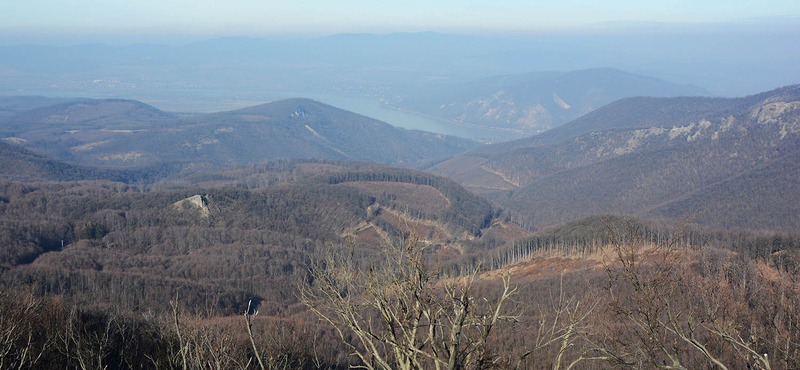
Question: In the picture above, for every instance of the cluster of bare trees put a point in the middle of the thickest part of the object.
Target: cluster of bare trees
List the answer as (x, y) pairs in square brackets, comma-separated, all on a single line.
[(664, 304), (20, 345), (650, 303), (46, 333), (715, 310), (403, 314)]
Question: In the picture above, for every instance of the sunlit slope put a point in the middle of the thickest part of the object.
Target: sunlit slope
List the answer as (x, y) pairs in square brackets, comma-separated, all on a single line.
[(640, 155)]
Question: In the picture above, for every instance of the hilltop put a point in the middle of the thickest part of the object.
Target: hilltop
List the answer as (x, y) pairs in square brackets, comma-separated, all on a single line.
[(13, 105), (20, 164), (85, 114)]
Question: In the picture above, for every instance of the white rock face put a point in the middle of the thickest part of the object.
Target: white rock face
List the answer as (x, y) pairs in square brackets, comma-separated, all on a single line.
[(198, 203)]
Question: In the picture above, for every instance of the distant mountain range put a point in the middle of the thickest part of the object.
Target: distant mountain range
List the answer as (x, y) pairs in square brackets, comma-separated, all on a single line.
[(383, 66), (129, 133), (719, 161), (536, 102), (723, 162)]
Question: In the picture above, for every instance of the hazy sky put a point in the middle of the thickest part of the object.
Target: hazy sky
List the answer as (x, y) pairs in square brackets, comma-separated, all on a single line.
[(324, 16)]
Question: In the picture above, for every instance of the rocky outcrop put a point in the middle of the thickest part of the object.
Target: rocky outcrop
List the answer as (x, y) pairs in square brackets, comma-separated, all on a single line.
[(195, 203)]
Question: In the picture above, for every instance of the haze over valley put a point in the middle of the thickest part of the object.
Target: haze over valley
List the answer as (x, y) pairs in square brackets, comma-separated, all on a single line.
[(425, 185), (462, 84)]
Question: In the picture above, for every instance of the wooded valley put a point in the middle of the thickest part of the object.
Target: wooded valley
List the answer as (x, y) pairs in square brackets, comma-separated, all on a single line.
[(650, 233)]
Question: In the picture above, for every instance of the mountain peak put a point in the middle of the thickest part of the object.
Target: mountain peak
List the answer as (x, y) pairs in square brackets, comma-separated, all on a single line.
[(286, 107)]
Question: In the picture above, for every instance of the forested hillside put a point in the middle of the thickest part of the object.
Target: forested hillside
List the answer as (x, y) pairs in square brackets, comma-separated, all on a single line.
[(640, 155), (131, 134), (236, 267), (312, 185), (12, 105), (87, 114), (232, 239), (565, 295), (20, 164)]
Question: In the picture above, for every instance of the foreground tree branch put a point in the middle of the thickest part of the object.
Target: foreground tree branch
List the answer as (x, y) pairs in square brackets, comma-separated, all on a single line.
[(401, 314)]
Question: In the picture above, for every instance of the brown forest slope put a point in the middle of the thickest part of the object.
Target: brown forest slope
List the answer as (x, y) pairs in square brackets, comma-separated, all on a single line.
[(257, 228)]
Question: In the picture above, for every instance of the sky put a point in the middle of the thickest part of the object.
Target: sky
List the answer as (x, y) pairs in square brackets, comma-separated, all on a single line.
[(191, 17)]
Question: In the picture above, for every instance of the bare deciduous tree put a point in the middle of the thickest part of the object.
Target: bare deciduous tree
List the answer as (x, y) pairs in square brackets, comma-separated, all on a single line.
[(563, 326), (202, 346), (401, 315), (19, 347), (674, 314)]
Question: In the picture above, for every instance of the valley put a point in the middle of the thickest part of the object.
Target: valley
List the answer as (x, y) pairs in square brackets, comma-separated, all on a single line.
[(625, 158), (629, 225), (533, 103)]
